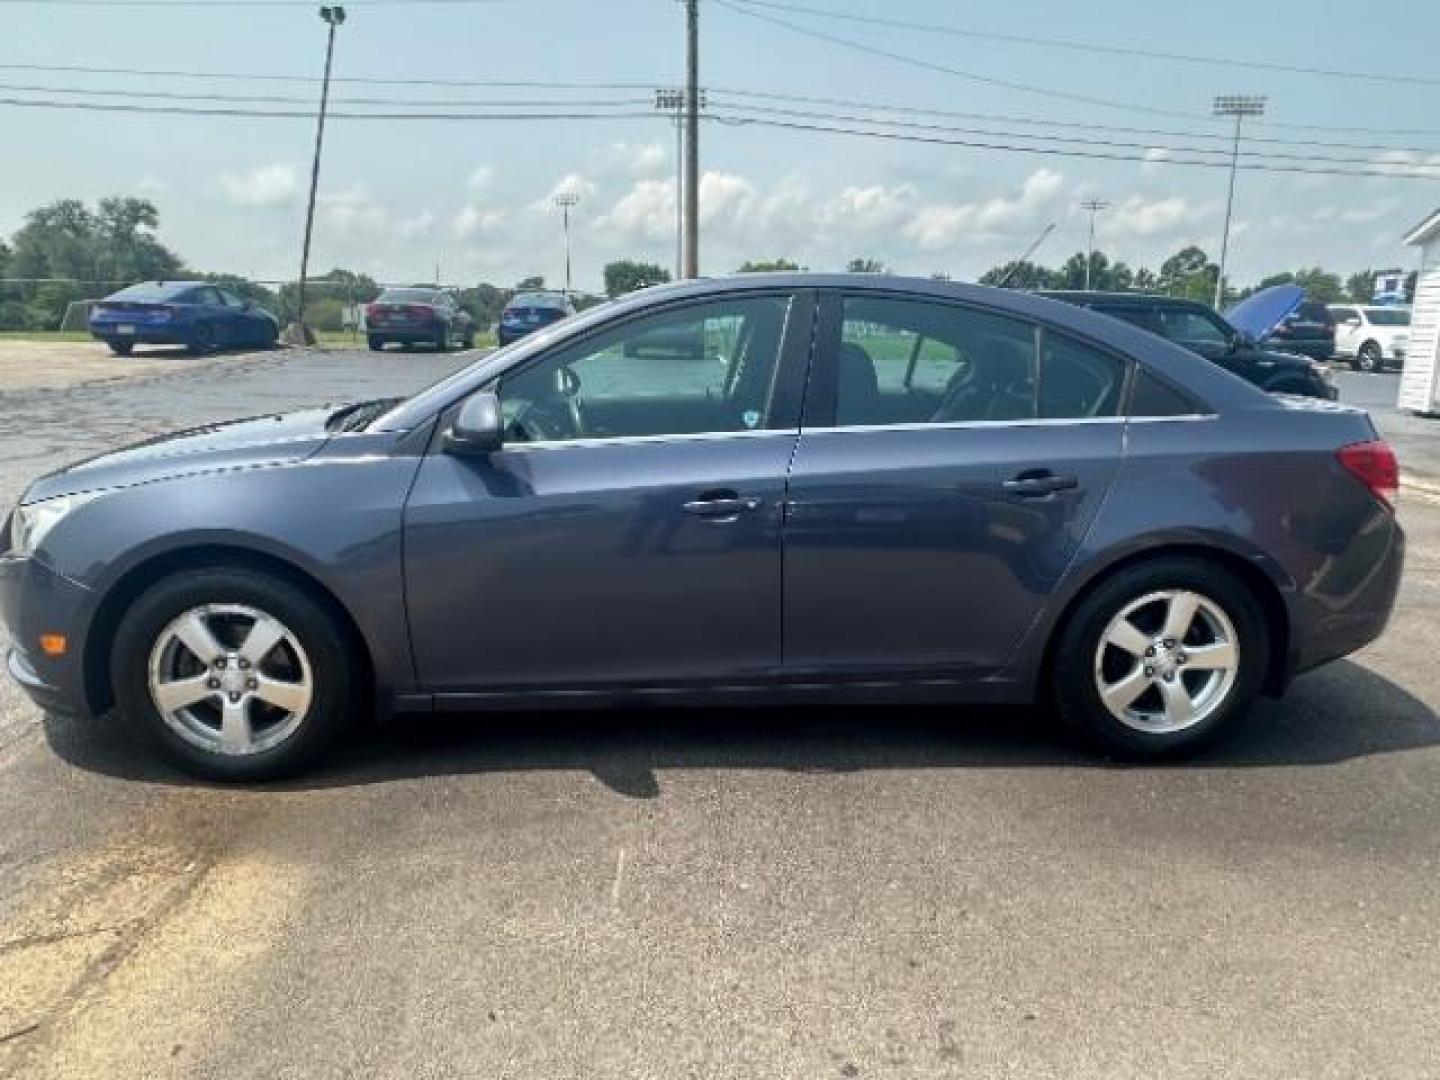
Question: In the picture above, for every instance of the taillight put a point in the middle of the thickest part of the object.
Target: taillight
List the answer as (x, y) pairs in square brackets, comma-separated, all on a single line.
[(371, 310), (1374, 464)]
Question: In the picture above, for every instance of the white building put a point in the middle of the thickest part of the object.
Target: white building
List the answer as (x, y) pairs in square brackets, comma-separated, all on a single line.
[(1420, 382)]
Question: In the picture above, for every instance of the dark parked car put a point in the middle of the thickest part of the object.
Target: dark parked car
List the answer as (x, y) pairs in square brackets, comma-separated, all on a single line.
[(528, 312), (418, 317), (1308, 330), (874, 489), (1231, 342), (195, 314)]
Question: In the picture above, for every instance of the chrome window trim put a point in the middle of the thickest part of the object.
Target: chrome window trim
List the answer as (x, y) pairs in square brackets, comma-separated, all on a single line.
[(987, 425), (646, 440)]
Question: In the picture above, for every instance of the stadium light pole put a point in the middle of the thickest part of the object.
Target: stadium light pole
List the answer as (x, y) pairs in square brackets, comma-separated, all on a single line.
[(297, 333), (1094, 206), (1239, 106), (565, 200)]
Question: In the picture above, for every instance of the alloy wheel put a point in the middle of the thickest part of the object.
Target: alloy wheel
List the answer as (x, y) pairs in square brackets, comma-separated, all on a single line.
[(1167, 661), (230, 679)]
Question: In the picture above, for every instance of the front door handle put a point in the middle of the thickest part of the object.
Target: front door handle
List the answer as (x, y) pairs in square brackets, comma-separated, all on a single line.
[(1039, 484), (721, 504)]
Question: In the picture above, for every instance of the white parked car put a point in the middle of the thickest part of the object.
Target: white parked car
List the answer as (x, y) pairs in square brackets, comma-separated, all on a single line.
[(1371, 337)]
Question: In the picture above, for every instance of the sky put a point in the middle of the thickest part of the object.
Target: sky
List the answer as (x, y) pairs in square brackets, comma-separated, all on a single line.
[(474, 198)]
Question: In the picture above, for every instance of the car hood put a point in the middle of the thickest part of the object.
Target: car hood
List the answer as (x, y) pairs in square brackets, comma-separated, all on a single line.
[(1260, 314), (238, 444)]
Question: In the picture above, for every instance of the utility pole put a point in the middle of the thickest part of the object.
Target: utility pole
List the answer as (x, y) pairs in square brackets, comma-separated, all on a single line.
[(691, 260), (297, 333), (673, 102), (1239, 106), (565, 200), (1094, 206)]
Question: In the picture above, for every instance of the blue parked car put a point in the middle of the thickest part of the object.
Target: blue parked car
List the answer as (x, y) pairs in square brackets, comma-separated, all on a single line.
[(871, 489), (528, 312), (196, 314)]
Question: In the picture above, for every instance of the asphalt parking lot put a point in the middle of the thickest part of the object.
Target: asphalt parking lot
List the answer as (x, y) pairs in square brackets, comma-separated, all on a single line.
[(760, 893)]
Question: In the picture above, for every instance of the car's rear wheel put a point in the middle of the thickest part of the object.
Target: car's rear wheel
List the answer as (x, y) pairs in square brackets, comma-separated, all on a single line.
[(1161, 658), (232, 674), (376, 344), (202, 339), (442, 338), (1370, 357), (121, 348)]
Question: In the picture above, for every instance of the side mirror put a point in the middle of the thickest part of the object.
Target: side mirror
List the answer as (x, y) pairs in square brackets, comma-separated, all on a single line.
[(479, 427)]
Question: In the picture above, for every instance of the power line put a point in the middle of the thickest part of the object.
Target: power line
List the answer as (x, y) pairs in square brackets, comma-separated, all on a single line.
[(1381, 171), (281, 99), (232, 3), (929, 65), (158, 73), (1004, 118), (1093, 47), (309, 114)]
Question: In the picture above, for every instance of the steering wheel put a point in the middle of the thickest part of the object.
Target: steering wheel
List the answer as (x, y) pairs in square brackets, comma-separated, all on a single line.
[(539, 421)]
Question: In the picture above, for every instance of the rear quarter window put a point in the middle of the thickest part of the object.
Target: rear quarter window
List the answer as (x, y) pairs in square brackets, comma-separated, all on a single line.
[(1152, 396)]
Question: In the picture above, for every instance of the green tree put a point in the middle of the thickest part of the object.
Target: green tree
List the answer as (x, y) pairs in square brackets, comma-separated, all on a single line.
[(326, 296), (1145, 280), (1189, 273), (863, 265), (1018, 274), (1360, 287), (626, 275), (768, 266), (1320, 284)]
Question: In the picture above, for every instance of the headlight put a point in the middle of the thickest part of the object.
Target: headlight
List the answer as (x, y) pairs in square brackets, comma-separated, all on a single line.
[(31, 523)]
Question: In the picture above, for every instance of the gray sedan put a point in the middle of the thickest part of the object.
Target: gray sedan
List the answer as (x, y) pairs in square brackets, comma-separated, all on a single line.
[(821, 488)]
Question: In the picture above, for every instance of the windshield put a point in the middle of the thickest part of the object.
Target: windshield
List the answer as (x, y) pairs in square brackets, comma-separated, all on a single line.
[(541, 300), (1388, 316), (407, 296)]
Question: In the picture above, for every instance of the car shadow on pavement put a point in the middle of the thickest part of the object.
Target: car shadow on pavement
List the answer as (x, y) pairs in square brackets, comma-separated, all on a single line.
[(1339, 713)]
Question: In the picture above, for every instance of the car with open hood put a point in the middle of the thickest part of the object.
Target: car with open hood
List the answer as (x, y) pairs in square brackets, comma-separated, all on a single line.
[(1233, 342), (868, 489)]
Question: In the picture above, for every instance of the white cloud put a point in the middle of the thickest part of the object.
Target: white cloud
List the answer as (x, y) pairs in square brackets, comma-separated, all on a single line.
[(1139, 216), (473, 220), (1155, 157), (938, 226), (645, 212), (570, 184), (418, 225), (724, 197), (481, 178), (264, 185), (353, 210), (1408, 163)]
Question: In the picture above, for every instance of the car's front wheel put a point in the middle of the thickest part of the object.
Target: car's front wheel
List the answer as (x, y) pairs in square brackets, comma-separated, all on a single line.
[(1161, 658), (121, 348), (202, 339), (232, 674), (1371, 357)]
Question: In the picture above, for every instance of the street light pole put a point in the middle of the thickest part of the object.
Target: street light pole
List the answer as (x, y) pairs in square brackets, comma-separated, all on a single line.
[(565, 200), (1239, 106), (298, 333), (1094, 206)]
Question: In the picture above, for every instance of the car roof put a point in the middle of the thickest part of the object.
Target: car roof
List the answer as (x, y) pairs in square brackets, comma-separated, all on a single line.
[(1095, 296), (162, 288)]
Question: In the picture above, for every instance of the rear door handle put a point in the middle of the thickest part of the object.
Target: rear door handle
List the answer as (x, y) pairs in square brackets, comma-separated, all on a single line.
[(1039, 483), (721, 504)]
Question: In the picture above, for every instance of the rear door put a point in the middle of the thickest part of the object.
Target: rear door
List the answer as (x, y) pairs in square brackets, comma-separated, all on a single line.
[(950, 462)]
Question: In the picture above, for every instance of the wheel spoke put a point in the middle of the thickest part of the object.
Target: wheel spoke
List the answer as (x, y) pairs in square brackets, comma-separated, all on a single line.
[(1124, 634), (1180, 615), (194, 633), (235, 731), (1119, 696), (1220, 656), (1179, 709), (179, 693), (293, 697), (263, 636)]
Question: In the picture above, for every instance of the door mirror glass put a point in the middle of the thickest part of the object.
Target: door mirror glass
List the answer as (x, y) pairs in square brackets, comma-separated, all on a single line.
[(477, 429)]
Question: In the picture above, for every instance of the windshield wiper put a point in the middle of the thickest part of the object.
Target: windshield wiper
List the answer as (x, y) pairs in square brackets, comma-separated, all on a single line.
[(356, 417)]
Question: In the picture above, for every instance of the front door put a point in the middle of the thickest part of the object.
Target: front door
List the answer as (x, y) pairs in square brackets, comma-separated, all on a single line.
[(949, 465), (628, 533)]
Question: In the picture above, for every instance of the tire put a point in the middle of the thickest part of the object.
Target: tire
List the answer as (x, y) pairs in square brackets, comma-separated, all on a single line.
[(442, 338), (376, 345), (311, 669), (469, 341), (202, 340), (121, 348), (1144, 594), (1370, 358)]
